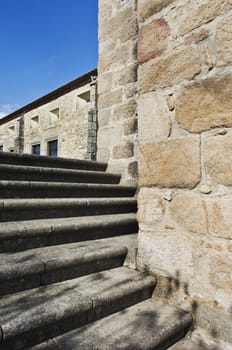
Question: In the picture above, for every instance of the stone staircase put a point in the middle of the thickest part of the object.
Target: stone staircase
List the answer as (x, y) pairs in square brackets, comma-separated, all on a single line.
[(67, 261)]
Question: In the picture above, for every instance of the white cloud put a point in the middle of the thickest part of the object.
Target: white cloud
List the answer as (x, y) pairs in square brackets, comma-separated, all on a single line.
[(6, 109)]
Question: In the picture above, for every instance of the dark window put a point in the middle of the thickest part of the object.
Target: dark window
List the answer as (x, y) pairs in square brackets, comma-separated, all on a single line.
[(52, 148), (1, 148), (35, 149)]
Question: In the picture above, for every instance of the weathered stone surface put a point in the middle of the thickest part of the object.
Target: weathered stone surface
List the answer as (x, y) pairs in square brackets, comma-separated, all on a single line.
[(123, 151), (219, 217), (121, 330), (147, 8), (118, 62), (171, 163), (188, 210), (202, 214), (133, 169), (166, 255), (168, 196), (220, 272), (129, 29), (114, 58), (150, 206), (119, 5), (168, 71), (207, 57), (104, 117), (118, 166), (218, 159), (224, 39), (205, 104), (18, 271), (171, 103), (127, 75), (130, 90), (72, 299), (105, 10), (125, 111), (109, 136), (196, 37), (109, 99), (104, 83), (222, 132), (151, 39), (205, 189), (130, 126), (200, 13), (112, 26), (214, 318), (200, 339), (154, 122)]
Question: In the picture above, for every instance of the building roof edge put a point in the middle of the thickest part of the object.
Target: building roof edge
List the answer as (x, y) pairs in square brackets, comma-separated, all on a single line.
[(73, 84)]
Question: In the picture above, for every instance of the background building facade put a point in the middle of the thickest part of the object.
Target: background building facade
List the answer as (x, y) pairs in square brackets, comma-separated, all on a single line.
[(62, 123)]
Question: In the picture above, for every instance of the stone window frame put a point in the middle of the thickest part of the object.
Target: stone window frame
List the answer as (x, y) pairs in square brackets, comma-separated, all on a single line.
[(54, 116), (11, 129), (36, 144), (34, 121), (48, 141), (85, 96)]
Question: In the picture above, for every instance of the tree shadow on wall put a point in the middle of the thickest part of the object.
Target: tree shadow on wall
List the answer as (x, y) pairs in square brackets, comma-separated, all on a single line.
[(172, 286)]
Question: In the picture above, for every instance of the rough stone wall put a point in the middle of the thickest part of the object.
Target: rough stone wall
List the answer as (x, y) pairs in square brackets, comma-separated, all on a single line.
[(117, 87), (185, 154)]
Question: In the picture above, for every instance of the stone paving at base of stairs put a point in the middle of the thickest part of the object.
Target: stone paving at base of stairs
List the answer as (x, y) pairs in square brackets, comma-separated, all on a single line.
[(199, 339), (147, 325), (71, 303)]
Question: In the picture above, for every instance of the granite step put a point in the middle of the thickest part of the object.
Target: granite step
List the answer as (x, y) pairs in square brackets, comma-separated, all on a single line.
[(36, 267), (42, 208), (30, 317), (52, 162), (47, 174), (21, 235), (35, 189), (149, 325)]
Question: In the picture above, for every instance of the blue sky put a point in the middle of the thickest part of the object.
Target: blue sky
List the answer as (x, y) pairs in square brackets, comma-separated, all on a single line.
[(44, 44)]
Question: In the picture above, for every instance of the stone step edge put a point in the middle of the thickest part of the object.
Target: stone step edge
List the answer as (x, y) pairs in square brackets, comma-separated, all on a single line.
[(46, 226), (7, 171), (42, 271), (40, 185), (21, 235), (39, 208), (56, 319), (44, 259), (134, 328), (14, 158), (30, 203)]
